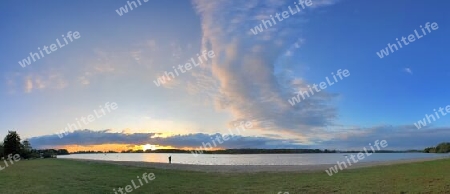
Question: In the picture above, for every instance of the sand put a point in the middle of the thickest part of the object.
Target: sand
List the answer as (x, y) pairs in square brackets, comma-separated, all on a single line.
[(251, 168)]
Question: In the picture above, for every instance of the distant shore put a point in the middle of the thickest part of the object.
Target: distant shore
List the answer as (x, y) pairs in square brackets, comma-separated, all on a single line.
[(252, 168)]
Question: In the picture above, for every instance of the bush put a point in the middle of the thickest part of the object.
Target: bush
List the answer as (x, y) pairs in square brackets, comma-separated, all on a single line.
[(430, 150), (443, 148)]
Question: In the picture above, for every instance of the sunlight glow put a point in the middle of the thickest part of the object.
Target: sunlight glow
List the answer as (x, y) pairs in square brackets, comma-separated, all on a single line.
[(149, 147)]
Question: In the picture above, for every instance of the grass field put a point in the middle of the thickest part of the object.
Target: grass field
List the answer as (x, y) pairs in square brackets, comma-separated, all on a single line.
[(67, 177)]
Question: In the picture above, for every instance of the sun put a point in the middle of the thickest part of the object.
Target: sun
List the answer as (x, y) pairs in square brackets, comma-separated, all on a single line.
[(149, 147)]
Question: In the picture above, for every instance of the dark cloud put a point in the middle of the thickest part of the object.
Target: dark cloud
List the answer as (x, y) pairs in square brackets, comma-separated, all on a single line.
[(90, 137), (398, 137)]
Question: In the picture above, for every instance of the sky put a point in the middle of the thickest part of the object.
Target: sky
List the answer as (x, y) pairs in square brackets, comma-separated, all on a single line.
[(118, 57)]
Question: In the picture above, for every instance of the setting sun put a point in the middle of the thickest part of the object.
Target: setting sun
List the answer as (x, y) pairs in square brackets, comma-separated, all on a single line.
[(148, 147)]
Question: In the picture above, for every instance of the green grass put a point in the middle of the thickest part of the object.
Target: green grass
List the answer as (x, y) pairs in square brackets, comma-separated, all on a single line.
[(67, 177)]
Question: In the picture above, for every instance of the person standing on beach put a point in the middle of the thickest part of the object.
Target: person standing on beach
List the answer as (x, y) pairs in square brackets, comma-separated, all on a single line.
[(170, 159)]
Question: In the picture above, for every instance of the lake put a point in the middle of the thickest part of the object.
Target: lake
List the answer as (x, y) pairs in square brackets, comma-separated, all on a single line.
[(249, 159)]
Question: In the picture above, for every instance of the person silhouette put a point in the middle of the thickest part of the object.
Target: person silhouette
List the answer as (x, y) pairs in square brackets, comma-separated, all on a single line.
[(170, 159)]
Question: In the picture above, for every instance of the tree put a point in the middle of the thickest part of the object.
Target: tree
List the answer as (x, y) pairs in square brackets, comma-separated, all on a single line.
[(62, 152), (430, 150), (26, 150), (49, 153), (443, 147), (11, 144), (1, 150), (27, 146)]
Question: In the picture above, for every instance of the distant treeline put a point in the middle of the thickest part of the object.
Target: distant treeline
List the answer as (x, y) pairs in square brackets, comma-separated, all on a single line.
[(269, 151), (440, 148), (385, 151), (247, 151)]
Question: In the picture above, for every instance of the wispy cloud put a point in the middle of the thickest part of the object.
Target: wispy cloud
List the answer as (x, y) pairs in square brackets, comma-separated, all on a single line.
[(408, 70), (28, 85), (45, 80), (251, 86)]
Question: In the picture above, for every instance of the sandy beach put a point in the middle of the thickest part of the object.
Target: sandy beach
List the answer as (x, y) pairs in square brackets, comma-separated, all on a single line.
[(252, 168)]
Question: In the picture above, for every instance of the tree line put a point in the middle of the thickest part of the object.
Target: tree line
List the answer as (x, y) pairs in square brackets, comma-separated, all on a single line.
[(12, 144), (440, 148)]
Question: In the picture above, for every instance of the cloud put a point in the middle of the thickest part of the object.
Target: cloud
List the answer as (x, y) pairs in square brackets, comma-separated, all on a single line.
[(398, 137), (28, 85), (408, 70), (321, 3), (84, 80), (250, 83), (144, 61), (90, 137), (41, 81)]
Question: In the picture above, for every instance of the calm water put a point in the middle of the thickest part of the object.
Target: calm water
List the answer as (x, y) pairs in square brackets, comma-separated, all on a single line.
[(249, 159)]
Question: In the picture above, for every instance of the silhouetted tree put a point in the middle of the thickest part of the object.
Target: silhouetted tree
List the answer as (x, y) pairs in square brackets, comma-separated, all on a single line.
[(11, 144), (48, 153), (27, 145), (430, 150), (63, 152), (26, 150), (1, 150)]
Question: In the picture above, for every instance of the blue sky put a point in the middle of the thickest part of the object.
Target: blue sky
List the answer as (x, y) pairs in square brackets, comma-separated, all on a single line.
[(251, 78)]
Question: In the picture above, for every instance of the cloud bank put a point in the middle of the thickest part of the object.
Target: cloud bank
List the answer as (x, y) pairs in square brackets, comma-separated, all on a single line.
[(399, 138), (93, 137)]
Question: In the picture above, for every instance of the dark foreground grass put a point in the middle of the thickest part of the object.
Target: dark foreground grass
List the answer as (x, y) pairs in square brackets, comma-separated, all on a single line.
[(67, 177)]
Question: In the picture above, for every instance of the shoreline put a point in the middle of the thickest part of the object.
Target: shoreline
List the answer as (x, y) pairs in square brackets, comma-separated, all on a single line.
[(252, 168)]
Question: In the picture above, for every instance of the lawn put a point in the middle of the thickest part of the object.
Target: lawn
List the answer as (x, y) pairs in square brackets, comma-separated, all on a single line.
[(67, 177)]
